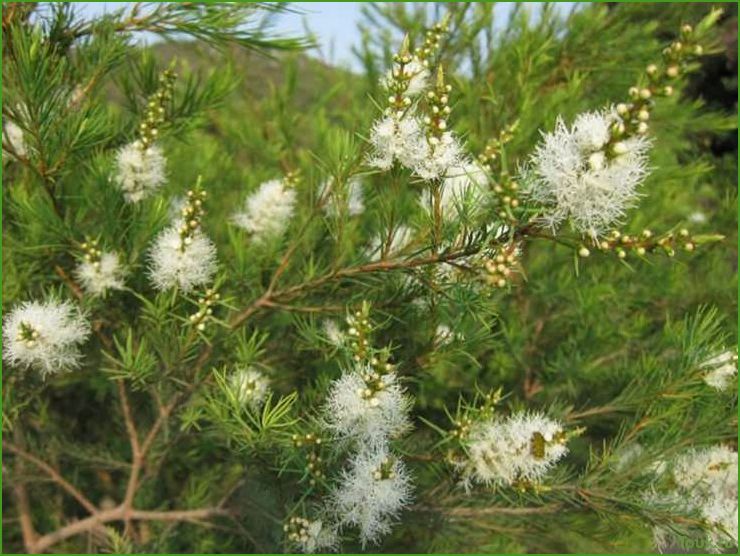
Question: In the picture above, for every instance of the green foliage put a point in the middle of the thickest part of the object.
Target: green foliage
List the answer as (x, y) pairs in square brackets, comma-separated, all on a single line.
[(152, 419)]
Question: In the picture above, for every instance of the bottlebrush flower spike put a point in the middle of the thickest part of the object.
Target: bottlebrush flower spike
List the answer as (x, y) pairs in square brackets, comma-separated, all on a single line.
[(372, 492), (99, 271), (366, 406), (250, 387), (140, 171), (45, 336), (268, 211), (182, 255), (523, 446), (579, 175)]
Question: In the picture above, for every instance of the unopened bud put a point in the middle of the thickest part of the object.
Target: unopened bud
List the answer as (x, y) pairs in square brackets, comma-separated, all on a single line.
[(619, 148)]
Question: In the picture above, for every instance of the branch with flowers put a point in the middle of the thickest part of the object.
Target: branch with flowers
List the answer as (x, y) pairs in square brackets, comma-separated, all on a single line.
[(243, 406)]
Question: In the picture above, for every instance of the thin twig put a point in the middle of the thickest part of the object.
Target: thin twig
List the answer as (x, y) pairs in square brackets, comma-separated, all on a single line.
[(488, 510), (53, 474), (128, 417), (121, 514), (24, 516)]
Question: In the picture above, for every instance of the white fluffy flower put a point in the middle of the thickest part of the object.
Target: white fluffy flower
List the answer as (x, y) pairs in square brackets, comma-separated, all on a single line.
[(574, 178), (45, 336), (268, 211), (521, 446), (721, 370), (707, 481), (13, 136), (140, 172), (309, 536), (250, 387), (627, 455), (383, 246), (98, 277), (395, 139), (464, 185), (175, 206), (697, 217), (415, 72), (435, 158), (188, 267), (591, 130), (711, 468), (372, 492), (368, 413), (350, 200), (333, 333), (443, 335)]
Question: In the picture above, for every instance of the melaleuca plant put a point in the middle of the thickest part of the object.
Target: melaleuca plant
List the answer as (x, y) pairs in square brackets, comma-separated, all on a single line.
[(467, 304)]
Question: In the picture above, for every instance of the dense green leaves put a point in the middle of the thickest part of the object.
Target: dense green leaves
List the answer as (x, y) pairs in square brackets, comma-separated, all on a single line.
[(614, 349)]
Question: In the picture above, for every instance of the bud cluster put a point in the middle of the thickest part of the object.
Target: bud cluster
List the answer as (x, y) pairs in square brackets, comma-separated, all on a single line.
[(359, 331), (92, 253), (373, 376), (464, 420), (385, 471), (490, 158), (375, 364), (461, 427), (644, 243), (489, 402), (438, 108), (507, 193), (192, 213), (297, 529), (656, 82), (205, 309), (432, 41), (500, 267), (314, 460), (292, 178), (28, 335), (155, 112), (399, 83), (506, 190)]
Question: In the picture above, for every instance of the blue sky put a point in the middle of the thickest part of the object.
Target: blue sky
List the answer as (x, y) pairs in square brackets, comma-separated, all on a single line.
[(334, 23)]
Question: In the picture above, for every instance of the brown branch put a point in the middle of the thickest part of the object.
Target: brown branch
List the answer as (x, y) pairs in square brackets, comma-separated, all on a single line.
[(305, 309), (576, 415), (53, 474), (128, 418), (136, 457), (121, 514), (24, 516), (385, 265), (488, 510), (76, 290)]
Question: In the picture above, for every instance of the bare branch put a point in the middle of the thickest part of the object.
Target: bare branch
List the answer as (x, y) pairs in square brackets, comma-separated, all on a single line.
[(53, 474)]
